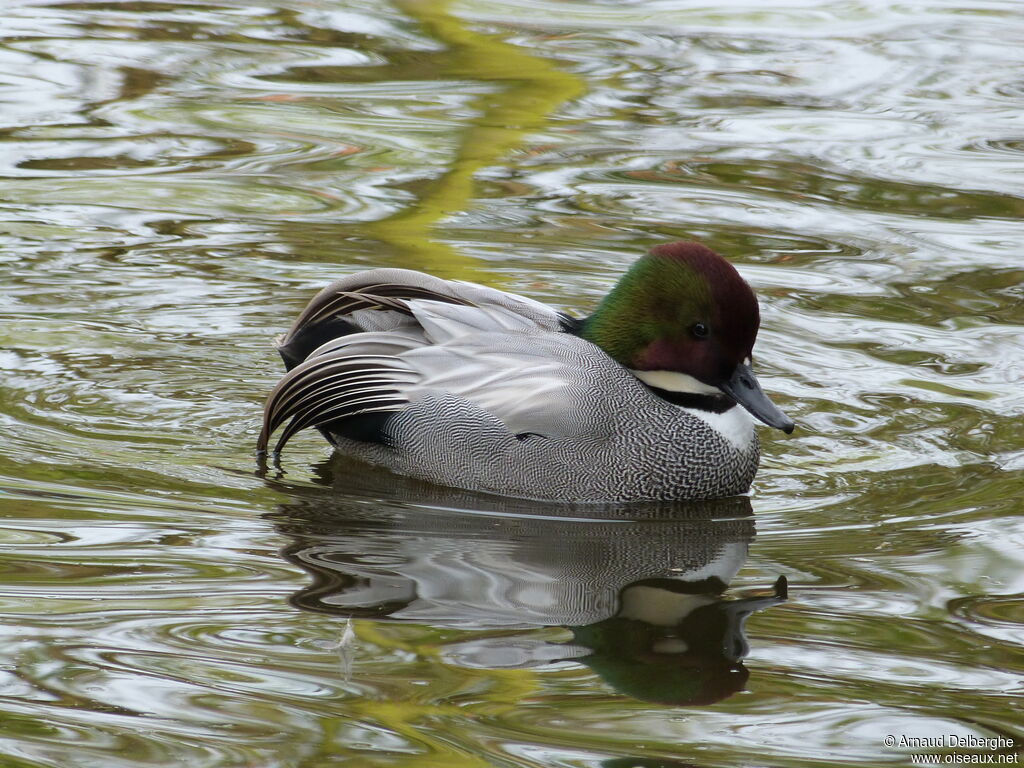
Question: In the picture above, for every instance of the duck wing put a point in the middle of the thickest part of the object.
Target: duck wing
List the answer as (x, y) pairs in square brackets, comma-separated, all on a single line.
[(513, 365), (377, 300)]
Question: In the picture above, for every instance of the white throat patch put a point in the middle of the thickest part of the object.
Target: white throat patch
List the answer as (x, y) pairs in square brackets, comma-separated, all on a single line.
[(673, 381), (736, 425)]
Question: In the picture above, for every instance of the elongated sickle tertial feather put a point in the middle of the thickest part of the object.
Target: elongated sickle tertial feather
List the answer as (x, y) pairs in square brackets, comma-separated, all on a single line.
[(339, 386), (332, 386)]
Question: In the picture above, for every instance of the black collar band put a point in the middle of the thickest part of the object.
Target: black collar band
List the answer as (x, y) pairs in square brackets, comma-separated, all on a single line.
[(710, 403)]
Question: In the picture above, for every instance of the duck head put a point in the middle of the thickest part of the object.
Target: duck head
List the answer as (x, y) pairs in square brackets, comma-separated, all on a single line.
[(684, 322)]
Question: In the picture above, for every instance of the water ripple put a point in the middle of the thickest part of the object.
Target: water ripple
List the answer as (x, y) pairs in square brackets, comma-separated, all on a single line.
[(177, 178)]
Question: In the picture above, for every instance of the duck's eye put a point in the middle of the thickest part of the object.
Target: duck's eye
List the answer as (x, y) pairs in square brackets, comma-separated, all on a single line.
[(700, 330)]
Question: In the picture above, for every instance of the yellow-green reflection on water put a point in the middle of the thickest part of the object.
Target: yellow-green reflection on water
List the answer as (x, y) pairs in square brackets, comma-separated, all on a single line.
[(529, 89), (177, 178)]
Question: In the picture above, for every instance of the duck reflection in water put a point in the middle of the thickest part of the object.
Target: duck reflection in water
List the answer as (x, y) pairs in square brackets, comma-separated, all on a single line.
[(641, 588)]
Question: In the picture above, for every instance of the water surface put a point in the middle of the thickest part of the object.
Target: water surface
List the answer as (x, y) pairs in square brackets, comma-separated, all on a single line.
[(176, 180)]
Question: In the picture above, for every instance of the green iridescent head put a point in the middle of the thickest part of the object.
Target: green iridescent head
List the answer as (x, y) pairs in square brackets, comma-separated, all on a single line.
[(683, 309)]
